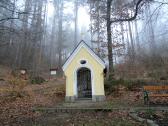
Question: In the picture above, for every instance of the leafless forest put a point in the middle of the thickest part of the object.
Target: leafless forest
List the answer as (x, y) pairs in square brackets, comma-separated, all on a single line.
[(37, 36), (130, 35)]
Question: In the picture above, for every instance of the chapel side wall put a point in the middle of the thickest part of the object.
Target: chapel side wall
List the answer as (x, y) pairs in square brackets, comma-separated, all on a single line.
[(69, 88), (99, 84), (99, 94)]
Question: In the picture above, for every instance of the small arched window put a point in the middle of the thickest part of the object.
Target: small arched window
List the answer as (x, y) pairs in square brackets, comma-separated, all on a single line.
[(83, 61)]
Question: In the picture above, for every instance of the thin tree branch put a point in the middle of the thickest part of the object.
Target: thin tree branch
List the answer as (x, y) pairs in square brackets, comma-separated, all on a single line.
[(157, 8), (9, 18), (18, 12), (4, 44), (131, 18), (13, 18), (160, 2)]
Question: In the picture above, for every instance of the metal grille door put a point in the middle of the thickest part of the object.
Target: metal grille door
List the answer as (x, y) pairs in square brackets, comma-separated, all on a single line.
[(84, 83)]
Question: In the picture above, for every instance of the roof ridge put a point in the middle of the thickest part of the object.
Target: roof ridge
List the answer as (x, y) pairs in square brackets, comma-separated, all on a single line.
[(82, 41)]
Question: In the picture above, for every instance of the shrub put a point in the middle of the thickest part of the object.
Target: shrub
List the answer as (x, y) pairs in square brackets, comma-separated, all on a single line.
[(148, 114), (17, 85), (134, 85), (163, 78), (109, 88), (113, 85), (59, 91), (1, 79), (37, 80)]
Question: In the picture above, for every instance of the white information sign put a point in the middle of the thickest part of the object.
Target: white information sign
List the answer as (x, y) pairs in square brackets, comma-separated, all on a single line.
[(23, 71), (54, 72)]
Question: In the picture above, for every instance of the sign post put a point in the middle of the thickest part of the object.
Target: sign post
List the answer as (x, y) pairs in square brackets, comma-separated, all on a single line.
[(53, 73)]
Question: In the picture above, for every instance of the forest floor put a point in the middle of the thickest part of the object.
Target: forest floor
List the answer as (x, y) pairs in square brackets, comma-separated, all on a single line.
[(19, 111)]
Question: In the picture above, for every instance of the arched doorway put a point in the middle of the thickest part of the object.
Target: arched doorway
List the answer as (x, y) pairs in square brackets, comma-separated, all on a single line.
[(84, 85)]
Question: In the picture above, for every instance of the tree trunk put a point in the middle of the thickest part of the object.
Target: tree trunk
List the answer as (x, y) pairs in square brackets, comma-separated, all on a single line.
[(137, 36), (76, 23), (60, 38), (110, 49), (132, 44)]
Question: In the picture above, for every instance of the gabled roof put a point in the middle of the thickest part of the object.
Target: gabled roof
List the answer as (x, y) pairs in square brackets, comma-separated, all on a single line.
[(77, 49)]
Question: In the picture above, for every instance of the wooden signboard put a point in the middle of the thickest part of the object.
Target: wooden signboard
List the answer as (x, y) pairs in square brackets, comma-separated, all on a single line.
[(23, 71), (23, 74), (53, 71)]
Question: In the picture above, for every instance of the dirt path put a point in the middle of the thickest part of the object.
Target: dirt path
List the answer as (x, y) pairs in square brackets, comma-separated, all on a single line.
[(116, 118)]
